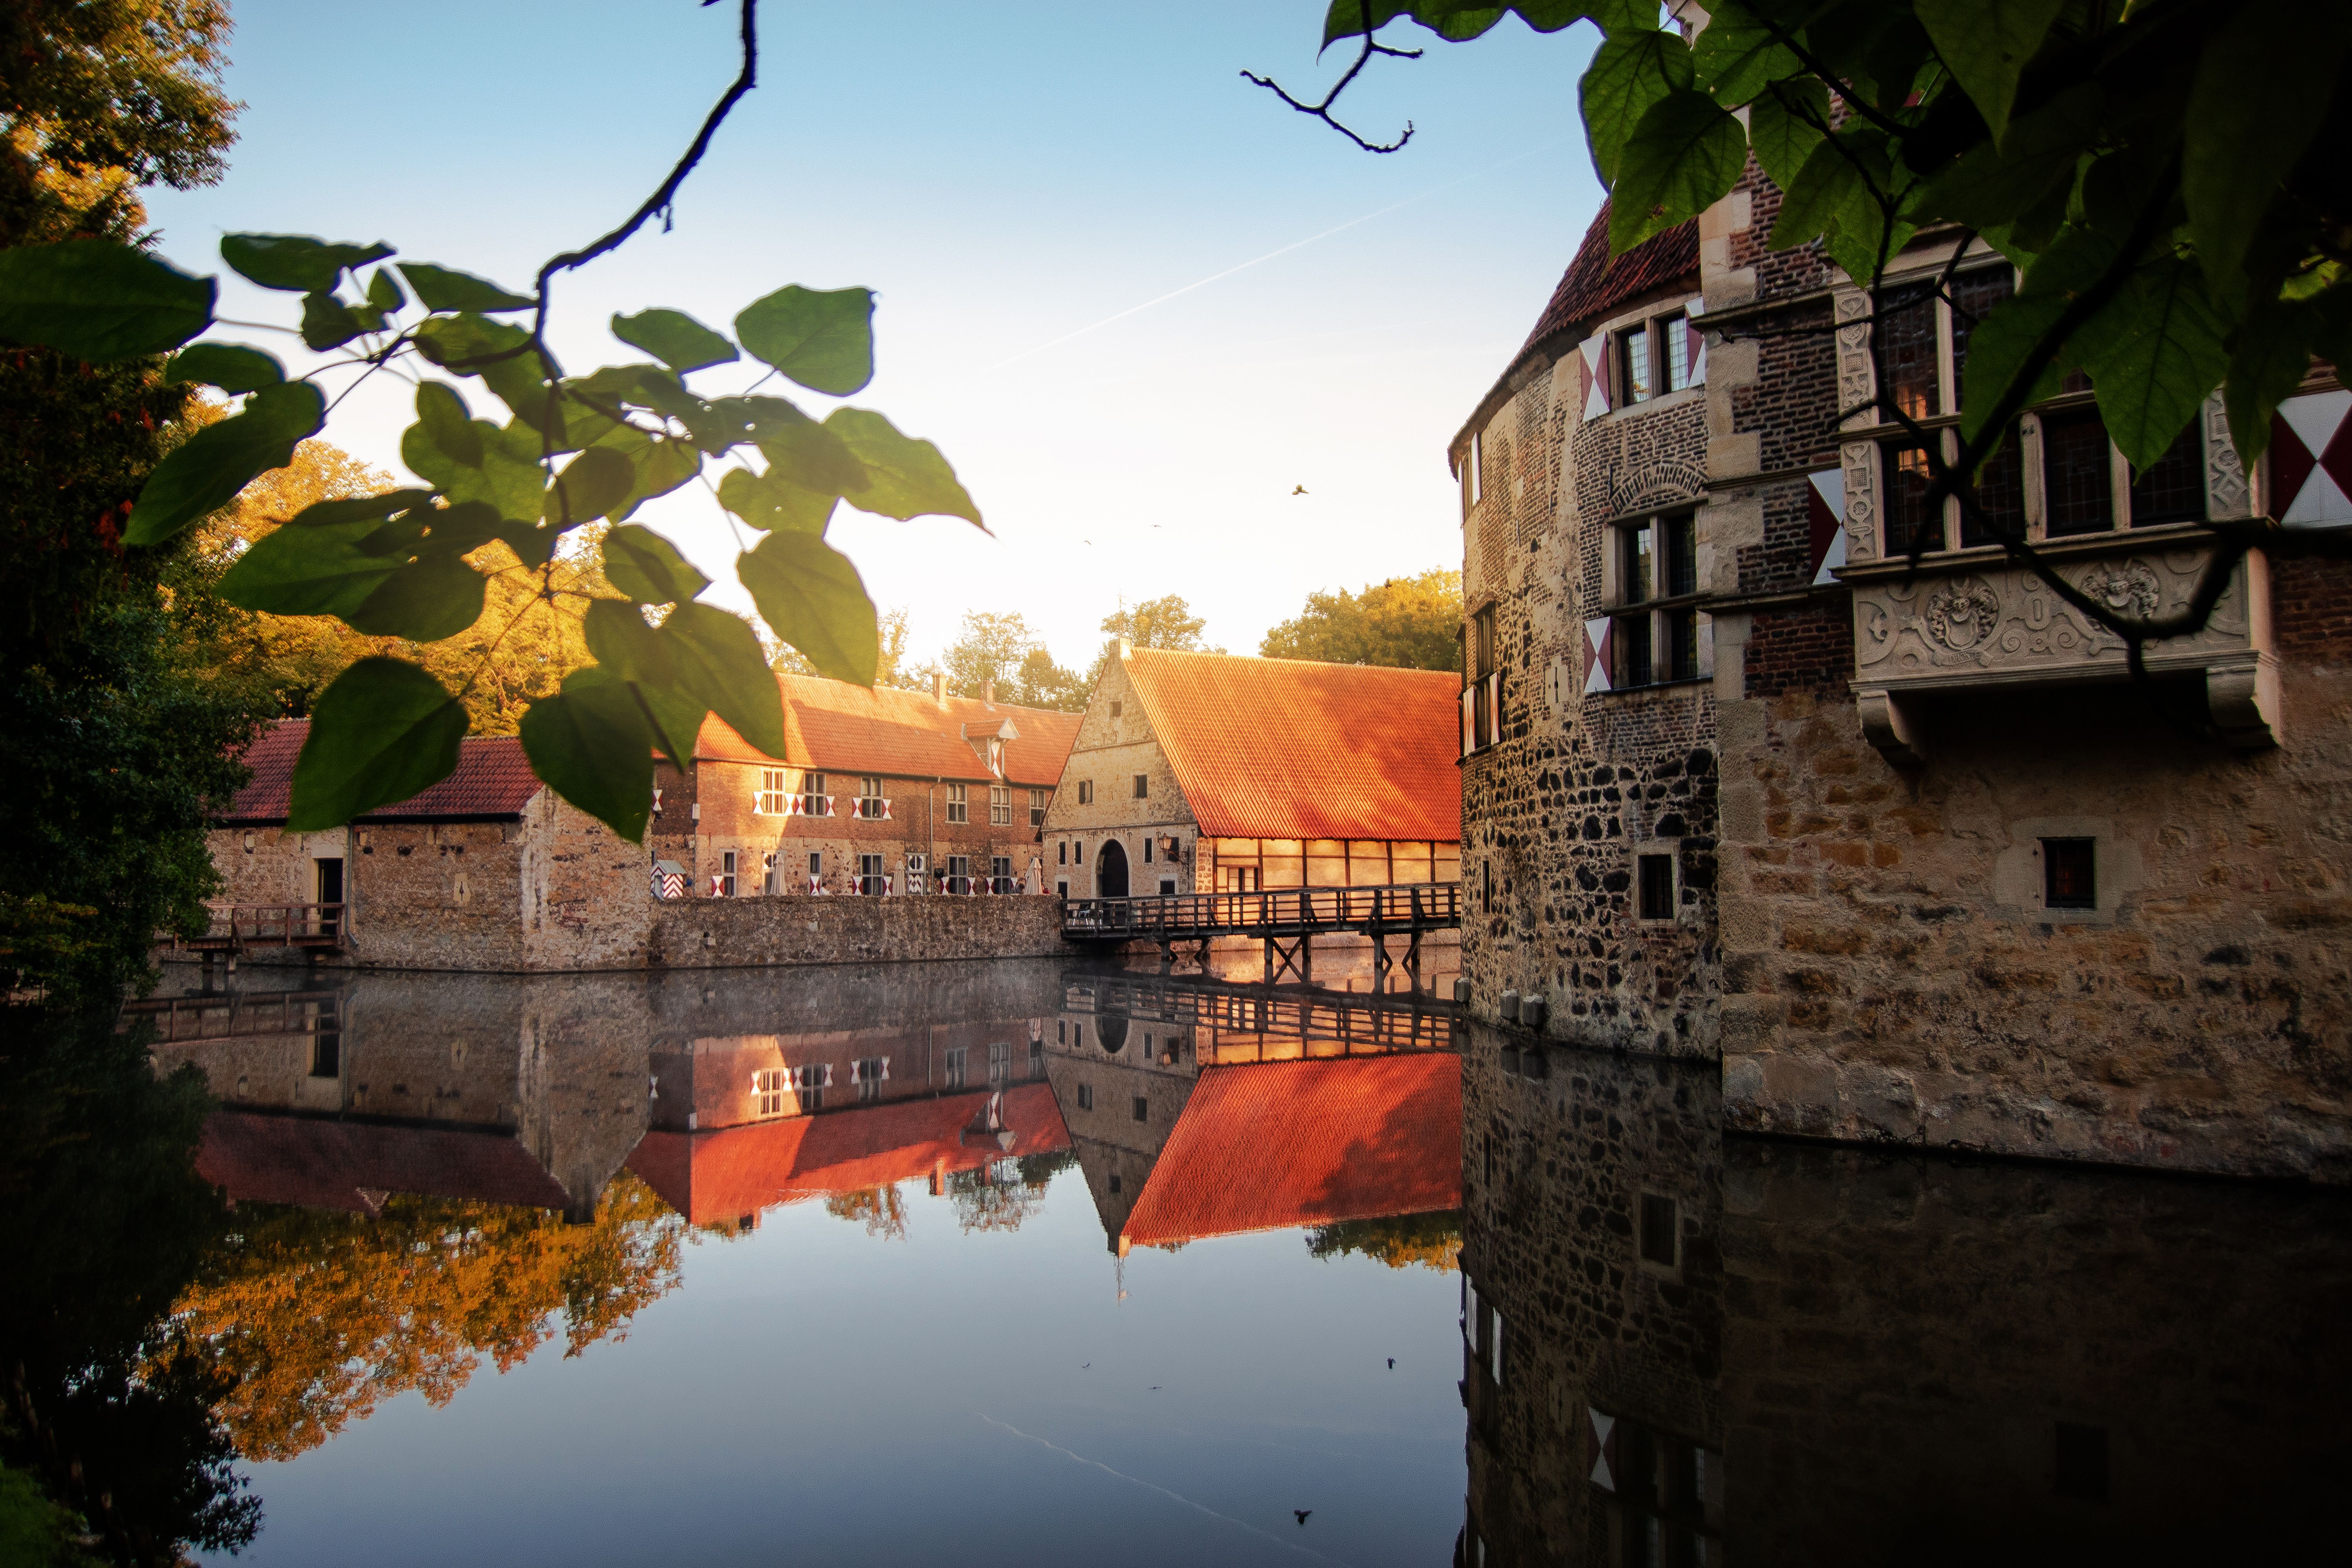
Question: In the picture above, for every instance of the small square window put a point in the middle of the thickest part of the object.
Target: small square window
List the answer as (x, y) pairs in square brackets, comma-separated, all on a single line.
[(1167, 887), (816, 862), (1085, 792), (1660, 1229), (1143, 786), (1114, 1181), (1143, 1109), (1116, 707), (2069, 877), (1657, 891)]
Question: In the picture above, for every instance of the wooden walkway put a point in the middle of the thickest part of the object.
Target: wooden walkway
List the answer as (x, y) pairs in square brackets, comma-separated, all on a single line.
[(183, 1020), (1283, 919), (238, 928), (1324, 1023)]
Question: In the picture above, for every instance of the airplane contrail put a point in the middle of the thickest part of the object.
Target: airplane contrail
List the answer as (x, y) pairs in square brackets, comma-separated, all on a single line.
[(1269, 255)]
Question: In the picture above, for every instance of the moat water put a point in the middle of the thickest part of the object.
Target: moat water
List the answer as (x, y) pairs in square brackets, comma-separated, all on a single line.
[(1031, 1262)]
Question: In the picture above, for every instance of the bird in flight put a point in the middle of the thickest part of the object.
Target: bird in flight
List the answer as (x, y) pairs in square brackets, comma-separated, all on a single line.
[(1302, 1513), (1392, 1364), (1299, 491)]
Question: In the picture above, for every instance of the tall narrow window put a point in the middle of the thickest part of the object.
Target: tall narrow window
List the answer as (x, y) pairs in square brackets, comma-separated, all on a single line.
[(959, 803), (1911, 523), (1674, 353), (1657, 886), (869, 874), (1629, 637), (1475, 471), (1679, 656), (1677, 541), (1143, 786), (870, 803), (1085, 792), (2078, 484), (1906, 345), (2070, 874), (1634, 370), (1641, 557), (1000, 873), (727, 873), (1039, 799), (773, 794), (2172, 488), (1661, 1233), (1000, 806), (1657, 561), (2001, 494)]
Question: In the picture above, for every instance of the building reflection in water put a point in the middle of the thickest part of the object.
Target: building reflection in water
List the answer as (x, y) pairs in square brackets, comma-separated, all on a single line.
[(1681, 1348)]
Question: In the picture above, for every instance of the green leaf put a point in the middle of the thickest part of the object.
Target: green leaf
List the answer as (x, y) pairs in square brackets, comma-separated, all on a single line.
[(370, 573), (2262, 90), (360, 509), (906, 477), (647, 568), (812, 455), (718, 663), (1684, 155), (460, 529), (675, 339), (2267, 364), (1737, 55), (328, 322), (812, 597), (94, 300), (448, 423), (1998, 351), (1630, 71), (473, 346), (1992, 186), (1837, 199), (295, 263), (593, 483), (823, 339), (206, 472), (767, 501), (621, 642), (445, 289), (661, 466), (661, 390), (384, 294), (1986, 45), (231, 367), (2155, 354), (382, 733), (1783, 126), (591, 746)]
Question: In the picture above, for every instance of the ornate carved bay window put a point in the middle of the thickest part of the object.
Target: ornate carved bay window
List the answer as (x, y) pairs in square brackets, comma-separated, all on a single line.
[(1966, 618)]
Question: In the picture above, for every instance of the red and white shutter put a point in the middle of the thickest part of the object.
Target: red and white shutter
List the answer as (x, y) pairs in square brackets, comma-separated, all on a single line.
[(1691, 314), (1825, 517), (1596, 655), (1469, 720), (1595, 353), (2311, 460)]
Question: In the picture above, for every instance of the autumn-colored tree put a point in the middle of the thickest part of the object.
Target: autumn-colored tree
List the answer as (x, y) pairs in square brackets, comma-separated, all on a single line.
[(318, 1317), (880, 1210), (1041, 683), (1406, 623), (893, 668), (1401, 1241), (1165, 622)]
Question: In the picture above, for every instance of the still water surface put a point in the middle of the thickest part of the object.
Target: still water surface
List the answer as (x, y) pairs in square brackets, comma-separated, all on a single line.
[(1023, 1262)]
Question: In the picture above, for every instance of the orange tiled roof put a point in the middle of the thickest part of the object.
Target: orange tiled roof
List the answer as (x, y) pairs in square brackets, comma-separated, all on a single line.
[(325, 1164), (493, 780), (844, 729), (1283, 748), (1358, 1138), (716, 1177)]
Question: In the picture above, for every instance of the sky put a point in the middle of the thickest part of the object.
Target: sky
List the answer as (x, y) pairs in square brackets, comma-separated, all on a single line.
[(1134, 300)]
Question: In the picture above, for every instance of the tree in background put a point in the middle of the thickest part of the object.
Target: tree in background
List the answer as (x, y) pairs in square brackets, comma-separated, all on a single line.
[(1000, 651), (1041, 683), (1166, 622), (891, 669), (1405, 623), (1402, 1241), (111, 738)]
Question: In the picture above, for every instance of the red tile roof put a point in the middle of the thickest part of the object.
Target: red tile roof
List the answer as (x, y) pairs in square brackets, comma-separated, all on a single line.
[(1297, 1143), (844, 729), (716, 1176), (493, 782), (324, 1164), (1596, 283), (1282, 748)]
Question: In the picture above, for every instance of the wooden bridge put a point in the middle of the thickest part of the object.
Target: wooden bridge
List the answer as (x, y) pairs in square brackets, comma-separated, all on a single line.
[(1230, 1015), (223, 1015), (237, 928), (1283, 919)]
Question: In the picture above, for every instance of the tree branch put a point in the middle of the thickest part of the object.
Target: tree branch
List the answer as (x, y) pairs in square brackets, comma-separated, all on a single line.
[(1322, 110)]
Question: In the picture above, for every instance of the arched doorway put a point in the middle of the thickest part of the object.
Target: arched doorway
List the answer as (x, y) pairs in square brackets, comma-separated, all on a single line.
[(1110, 870)]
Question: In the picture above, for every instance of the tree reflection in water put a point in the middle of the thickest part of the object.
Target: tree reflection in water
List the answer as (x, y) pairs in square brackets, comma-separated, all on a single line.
[(1001, 1194), (104, 1221), (316, 1317), (1402, 1241)]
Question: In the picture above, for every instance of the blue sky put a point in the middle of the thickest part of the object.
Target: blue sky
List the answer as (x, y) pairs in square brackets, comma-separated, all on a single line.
[(1004, 177)]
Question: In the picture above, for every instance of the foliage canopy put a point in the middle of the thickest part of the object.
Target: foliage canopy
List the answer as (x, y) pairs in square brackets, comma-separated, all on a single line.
[(1405, 623)]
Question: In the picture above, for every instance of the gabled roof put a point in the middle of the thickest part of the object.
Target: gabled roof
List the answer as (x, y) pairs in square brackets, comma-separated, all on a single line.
[(1284, 748), (711, 1177), (325, 1164), (839, 727), (1359, 1138), (493, 782)]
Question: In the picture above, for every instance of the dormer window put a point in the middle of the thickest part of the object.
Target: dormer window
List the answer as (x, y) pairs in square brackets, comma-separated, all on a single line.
[(1654, 358)]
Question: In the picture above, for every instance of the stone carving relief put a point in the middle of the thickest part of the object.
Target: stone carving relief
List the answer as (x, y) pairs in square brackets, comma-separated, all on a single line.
[(2227, 493), (2005, 622), (1860, 461), (1854, 378)]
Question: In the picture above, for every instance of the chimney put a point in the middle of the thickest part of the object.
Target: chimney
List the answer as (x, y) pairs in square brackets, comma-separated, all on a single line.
[(939, 687), (988, 691)]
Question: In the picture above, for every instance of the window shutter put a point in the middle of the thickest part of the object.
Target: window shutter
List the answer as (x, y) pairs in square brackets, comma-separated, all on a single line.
[(1469, 739), (1692, 312), (1826, 521), (1495, 707), (1595, 353), (1596, 655)]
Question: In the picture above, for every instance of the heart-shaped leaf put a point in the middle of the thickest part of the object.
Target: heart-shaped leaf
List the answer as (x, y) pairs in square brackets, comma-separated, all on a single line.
[(382, 733), (905, 477), (768, 501), (592, 484), (592, 745), (295, 263), (445, 289), (812, 597), (675, 338), (823, 339), (647, 568), (94, 300), (231, 367), (718, 663), (206, 472), (448, 423)]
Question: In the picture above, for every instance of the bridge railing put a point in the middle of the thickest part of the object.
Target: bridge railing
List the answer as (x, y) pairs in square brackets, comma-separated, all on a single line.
[(180, 1019), (271, 925), (1406, 905)]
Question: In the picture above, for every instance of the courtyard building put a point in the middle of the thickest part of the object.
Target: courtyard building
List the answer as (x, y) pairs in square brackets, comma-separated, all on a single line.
[(1903, 846), (1209, 773)]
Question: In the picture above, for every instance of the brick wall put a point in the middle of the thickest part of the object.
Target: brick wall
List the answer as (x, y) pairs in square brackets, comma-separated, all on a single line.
[(2312, 610), (1808, 649)]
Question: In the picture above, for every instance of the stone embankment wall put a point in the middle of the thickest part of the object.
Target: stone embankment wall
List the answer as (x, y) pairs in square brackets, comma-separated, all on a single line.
[(727, 933)]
